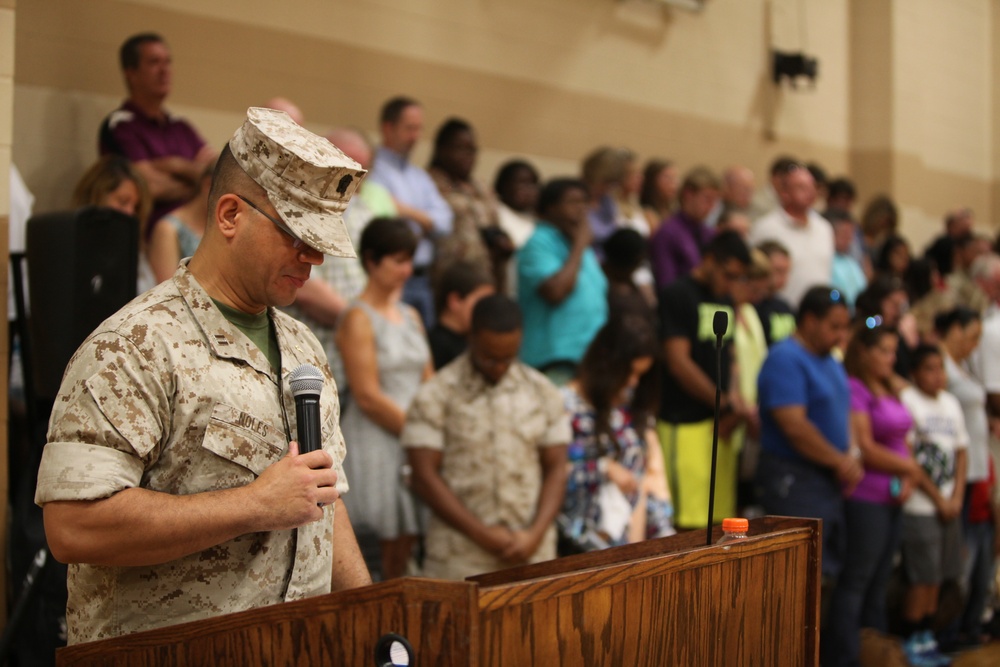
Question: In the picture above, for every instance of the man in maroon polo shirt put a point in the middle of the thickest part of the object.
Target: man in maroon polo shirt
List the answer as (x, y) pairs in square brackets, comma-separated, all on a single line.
[(165, 149)]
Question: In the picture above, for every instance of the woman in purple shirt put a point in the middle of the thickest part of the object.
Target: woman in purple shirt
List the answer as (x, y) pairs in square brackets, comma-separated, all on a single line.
[(879, 425)]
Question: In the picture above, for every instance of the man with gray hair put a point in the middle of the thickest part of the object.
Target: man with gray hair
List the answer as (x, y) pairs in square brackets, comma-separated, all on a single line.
[(171, 482), (736, 195)]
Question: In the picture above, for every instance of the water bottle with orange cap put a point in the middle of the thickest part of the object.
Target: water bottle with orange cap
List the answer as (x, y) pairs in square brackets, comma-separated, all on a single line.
[(733, 530)]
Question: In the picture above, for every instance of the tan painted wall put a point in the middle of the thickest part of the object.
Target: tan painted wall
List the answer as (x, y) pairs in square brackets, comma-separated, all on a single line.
[(943, 110), (549, 79), (905, 99)]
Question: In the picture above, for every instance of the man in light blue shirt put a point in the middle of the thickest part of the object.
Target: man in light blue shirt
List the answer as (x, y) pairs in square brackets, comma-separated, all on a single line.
[(416, 196)]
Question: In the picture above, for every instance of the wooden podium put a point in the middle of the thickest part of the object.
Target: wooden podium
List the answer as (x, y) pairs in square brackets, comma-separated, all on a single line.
[(672, 601)]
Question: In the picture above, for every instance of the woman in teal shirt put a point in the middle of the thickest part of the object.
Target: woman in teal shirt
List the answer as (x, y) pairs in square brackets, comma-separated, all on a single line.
[(561, 287)]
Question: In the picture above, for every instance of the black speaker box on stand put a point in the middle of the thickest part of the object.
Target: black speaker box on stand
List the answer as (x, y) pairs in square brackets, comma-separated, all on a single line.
[(82, 267)]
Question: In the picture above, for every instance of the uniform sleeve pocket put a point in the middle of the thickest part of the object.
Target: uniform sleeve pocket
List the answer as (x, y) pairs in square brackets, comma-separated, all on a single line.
[(244, 439)]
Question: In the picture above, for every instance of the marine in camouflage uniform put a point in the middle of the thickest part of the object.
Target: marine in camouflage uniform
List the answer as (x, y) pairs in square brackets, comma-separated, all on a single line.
[(135, 410), (170, 396), (496, 436)]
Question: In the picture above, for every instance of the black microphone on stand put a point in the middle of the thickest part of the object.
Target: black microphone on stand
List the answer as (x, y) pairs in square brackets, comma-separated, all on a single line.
[(719, 325), (306, 383)]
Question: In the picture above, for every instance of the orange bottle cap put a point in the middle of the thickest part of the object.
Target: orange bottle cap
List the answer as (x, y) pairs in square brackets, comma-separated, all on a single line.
[(735, 525)]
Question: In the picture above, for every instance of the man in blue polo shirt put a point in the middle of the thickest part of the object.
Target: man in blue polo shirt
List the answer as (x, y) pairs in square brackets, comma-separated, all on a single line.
[(808, 463)]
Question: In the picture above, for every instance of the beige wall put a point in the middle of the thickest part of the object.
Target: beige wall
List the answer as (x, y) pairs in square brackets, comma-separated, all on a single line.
[(922, 102), (549, 79), (943, 99), (905, 100)]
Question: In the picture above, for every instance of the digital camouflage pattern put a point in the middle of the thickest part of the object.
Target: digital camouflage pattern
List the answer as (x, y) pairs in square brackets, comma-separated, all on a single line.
[(489, 436), (474, 211), (308, 180), (167, 395)]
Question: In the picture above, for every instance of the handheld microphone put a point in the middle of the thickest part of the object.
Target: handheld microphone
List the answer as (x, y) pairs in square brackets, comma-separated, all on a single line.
[(306, 383), (720, 322)]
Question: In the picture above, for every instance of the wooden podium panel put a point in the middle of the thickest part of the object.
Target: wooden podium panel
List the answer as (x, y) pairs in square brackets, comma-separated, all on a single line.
[(341, 629), (672, 601)]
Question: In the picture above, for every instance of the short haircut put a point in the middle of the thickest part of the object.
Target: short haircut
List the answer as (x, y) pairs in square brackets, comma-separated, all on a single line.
[(962, 316), (507, 172), (818, 301), (394, 108), (841, 187), (954, 217), (698, 179), (449, 130), (553, 192), (625, 249), (869, 302), (837, 216), (783, 164), (383, 237), (921, 354), (131, 49), (462, 278), (728, 246), (497, 313), (230, 178), (818, 173), (772, 247)]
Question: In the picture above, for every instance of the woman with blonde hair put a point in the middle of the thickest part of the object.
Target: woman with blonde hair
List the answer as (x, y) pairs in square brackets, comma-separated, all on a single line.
[(612, 178), (112, 182)]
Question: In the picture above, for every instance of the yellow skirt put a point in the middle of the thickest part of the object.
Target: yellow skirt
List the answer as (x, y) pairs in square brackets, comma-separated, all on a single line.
[(687, 456)]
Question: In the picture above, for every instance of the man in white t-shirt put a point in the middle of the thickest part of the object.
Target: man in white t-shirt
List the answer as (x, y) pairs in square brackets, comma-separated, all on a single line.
[(806, 234), (932, 528)]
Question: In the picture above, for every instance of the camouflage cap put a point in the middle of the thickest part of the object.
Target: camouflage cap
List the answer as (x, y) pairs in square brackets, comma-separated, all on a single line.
[(308, 180)]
